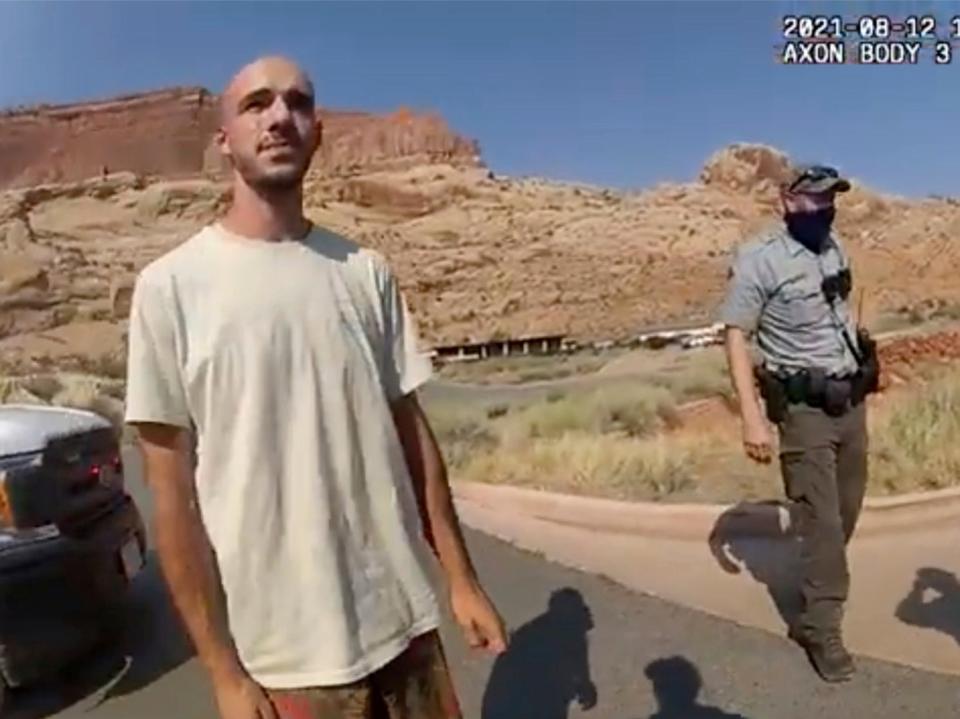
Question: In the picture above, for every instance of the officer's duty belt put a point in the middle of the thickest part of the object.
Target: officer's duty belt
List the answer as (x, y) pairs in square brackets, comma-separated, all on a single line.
[(833, 394)]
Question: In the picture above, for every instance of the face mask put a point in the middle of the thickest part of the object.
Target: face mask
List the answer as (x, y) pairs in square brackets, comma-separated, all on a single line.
[(811, 229)]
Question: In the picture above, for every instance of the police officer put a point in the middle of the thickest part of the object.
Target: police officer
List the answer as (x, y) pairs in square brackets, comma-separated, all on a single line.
[(789, 289)]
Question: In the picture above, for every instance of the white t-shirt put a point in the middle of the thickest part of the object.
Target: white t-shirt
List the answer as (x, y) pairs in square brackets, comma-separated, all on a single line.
[(283, 357)]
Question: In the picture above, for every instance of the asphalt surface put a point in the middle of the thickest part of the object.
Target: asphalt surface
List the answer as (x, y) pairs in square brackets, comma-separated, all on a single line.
[(576, 639)]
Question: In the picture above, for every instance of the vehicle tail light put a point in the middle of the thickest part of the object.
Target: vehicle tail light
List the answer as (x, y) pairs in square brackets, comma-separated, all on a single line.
[(16, 473), (6, 511), (109, 472)]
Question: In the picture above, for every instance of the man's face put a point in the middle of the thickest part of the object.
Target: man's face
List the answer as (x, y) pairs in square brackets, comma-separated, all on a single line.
[(269, 128), (804, 203)]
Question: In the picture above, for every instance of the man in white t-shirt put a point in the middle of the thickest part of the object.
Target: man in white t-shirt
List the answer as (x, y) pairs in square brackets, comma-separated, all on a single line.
[(300, 540)]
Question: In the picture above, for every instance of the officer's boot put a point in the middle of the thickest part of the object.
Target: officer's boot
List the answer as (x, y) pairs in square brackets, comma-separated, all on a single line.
[(819, 634), (830, 657), (826, 652)]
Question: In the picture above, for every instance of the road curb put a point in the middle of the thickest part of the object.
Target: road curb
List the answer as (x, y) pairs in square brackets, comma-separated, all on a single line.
[(881, 515)]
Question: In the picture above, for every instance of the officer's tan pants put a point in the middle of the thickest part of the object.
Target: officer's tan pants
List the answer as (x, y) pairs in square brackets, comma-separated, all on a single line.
[(824, 464)]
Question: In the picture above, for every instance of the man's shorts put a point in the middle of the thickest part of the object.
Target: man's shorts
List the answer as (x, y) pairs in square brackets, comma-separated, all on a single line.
[(415, 685)]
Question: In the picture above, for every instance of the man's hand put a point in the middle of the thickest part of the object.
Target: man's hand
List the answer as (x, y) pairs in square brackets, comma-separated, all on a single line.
[(757, 439), (239, 697), (478, 619)]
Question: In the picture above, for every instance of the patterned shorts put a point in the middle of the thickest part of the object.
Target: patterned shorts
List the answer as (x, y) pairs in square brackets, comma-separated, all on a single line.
[(415, 685)]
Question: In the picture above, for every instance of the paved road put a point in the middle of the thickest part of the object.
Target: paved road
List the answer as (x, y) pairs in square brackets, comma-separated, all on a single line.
[(571, 631)]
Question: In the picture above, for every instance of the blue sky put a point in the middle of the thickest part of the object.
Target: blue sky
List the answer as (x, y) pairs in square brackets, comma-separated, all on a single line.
[(624, 94)]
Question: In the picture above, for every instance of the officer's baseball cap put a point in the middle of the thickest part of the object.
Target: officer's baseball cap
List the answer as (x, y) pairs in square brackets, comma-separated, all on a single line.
[(816, 179)]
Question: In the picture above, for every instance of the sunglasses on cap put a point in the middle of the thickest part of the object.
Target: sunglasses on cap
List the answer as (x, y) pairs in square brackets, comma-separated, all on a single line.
[(816, 173), (818, 179)]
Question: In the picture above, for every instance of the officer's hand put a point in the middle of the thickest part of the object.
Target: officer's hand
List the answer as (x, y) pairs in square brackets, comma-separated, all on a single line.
[(757, 440)]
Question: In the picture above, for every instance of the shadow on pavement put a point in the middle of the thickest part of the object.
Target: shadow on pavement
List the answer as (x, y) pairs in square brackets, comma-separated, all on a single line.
[(148, 644), (154, 640), (547, 665), (773, 558), (941, 610), (676, 684), (78, 682)]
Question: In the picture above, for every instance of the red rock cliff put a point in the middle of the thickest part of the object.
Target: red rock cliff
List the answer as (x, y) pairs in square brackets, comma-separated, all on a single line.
[(168, 133)]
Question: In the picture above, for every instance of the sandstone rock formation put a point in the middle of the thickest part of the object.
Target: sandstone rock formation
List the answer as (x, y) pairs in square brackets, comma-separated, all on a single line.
[(746, 168), (480, 257), (169, 134), (159, 133)]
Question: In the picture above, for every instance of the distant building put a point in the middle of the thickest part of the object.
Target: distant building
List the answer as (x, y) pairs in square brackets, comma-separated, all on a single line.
[(687, 337), (519, 346)]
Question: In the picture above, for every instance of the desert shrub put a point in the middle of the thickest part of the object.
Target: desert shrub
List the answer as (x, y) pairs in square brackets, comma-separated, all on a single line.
[(582, 463), (632, 409), (46, 386), (915, 441)]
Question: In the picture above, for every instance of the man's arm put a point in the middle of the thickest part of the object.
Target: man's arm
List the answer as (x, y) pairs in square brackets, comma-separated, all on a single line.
[(756, 433), (741, 372), (186, 556), (474, 611), (742, 308), (188, 565), (403, 370)]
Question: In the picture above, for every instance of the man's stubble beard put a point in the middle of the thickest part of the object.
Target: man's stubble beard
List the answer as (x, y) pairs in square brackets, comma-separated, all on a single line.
[(267, 183)]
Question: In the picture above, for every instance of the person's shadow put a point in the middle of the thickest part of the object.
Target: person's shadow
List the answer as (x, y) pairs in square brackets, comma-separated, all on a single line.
[(676, 684), (940, 611), (770, 552), (547, 665)]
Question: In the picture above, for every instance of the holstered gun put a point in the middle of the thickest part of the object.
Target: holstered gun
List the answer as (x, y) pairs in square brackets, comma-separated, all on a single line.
[(774, 394)]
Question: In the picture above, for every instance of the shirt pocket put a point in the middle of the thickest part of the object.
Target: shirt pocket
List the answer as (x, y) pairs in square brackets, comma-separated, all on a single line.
[(802, 303)]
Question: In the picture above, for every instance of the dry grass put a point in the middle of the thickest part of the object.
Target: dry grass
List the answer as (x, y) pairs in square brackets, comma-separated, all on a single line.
[(582, 463), (611, 441), (632, 410), (111, 365), (915, 440), (97, 394), (509, 370), (606, 441), (612, 444), (696, 374), (90, 395), (45, 387), (462, 431)]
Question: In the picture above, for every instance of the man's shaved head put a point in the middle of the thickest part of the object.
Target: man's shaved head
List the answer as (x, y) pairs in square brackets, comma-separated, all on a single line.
[(258, 73), (268, 124)]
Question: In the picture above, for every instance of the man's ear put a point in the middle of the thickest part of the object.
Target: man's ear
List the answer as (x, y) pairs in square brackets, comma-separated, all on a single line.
[(220, 138)]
